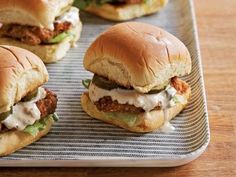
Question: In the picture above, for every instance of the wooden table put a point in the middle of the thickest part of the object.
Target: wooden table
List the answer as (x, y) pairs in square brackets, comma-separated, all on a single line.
[(217, 31)]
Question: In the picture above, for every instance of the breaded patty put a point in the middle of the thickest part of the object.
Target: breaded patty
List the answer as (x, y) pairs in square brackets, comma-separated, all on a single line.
[(31, 34), (47, 105), (106, 104)]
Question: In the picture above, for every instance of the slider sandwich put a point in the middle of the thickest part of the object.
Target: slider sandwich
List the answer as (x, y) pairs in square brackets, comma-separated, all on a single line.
[(120, 10), (136, 82), (26, 108), (47, 28)]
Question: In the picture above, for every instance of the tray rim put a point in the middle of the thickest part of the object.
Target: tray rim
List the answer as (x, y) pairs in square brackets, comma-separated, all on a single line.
[(169, 161)]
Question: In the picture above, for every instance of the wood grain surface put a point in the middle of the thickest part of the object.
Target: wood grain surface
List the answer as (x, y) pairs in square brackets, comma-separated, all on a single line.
[(216, 21)]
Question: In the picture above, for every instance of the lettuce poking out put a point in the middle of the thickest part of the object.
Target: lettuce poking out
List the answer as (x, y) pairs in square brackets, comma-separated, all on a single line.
[(60, 37), (40, 125), (128, 118), (36, 127), (82, 4)]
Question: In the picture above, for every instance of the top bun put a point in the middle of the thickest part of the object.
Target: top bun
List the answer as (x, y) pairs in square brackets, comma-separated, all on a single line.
[(20, 73), (138, 55), (41, 13)]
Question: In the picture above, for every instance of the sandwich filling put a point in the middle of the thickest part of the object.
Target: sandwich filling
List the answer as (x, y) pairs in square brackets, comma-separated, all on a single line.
[(30, 112), (126, 104), (82, 4), (63, 27), (113, 98)]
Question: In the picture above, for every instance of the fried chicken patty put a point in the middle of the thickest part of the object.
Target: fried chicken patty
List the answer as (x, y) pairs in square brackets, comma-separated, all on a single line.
[(31, 34), (106, 104), (179, 85), (47, 105)]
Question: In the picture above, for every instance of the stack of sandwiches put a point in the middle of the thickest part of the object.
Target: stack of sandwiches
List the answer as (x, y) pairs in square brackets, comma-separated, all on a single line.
[(137, 67)]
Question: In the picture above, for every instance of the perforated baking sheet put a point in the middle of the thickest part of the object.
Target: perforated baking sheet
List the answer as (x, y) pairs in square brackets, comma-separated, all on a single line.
[(78, 140)]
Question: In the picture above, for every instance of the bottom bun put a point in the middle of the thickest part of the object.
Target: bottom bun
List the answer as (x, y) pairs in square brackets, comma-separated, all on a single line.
[(143, 122), (11, 141), (49, 53), (126, 12)]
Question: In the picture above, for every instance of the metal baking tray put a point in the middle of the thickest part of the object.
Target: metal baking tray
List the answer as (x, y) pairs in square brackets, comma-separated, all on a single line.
[(78, 140)]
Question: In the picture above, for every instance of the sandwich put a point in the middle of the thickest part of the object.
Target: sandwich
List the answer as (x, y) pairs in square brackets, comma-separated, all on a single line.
[(47, 28), (121, 10), (27, 110), (136, 82)]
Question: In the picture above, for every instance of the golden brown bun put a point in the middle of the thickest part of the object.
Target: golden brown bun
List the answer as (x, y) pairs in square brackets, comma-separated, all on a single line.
[(126, 12), (142, 123), (41, 13), (48, 53), (20, 73), (138, 55), (13, 140)]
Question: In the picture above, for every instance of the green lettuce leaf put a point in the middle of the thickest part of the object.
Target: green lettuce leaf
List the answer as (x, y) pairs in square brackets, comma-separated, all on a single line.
[(82, 4), (128, 118), (40, 125), (60, 37), (175, 99), (147, 1), (36, 127)]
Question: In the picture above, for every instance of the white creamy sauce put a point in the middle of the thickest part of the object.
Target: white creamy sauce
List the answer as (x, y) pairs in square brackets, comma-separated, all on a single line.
[(131, 97), (25, 113), (181, 99), (167, 127), (71, 16), (171, 91), (51, 27), (148, 115), (146, 101)]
